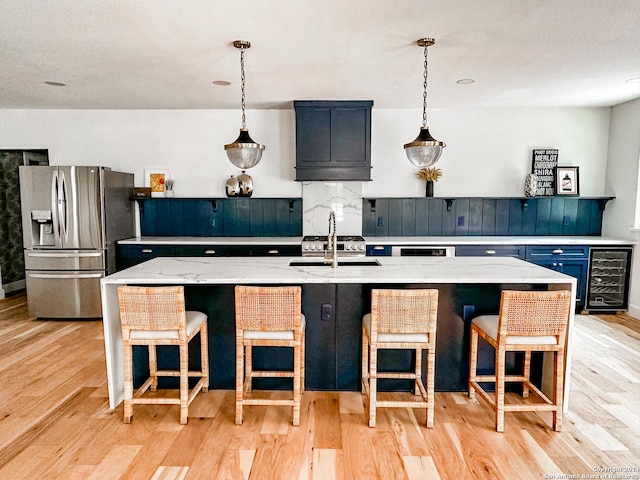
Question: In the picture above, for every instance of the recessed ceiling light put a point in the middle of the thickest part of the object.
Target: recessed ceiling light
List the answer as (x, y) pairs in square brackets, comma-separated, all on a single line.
[(633, 80), (465, 81), (56, 84), (221, 83)]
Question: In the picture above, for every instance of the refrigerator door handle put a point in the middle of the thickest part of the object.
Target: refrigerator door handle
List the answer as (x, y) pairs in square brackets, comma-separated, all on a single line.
[(62, 207), (62, 275), (63, 255), (55, 207)]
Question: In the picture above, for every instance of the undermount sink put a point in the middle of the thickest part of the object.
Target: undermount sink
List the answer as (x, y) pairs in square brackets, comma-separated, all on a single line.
[(341, 263)]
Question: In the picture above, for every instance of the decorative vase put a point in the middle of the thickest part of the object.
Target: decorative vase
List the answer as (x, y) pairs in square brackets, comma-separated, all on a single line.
[(232, 187), (246, 184), (429, 188), (168, 193), (530, 185)]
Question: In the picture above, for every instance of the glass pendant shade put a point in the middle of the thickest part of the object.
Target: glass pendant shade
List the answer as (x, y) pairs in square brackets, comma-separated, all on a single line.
[(425, 150), (244, 153)]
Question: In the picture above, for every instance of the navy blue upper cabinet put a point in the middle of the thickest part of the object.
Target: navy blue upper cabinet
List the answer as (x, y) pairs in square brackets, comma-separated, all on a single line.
[(333, 140)]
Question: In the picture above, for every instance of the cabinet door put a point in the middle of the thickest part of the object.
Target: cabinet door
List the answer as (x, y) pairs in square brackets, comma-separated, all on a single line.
[(213, 251), (276, 250), (517, 251), (574, 268), (130, 255), (313, 136), (378, 250)]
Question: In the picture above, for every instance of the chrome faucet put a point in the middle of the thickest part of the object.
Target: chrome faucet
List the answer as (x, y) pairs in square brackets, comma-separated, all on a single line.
[(332, 242)]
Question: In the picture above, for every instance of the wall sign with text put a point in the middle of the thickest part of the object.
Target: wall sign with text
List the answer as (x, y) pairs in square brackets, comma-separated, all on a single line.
[(545, 161)]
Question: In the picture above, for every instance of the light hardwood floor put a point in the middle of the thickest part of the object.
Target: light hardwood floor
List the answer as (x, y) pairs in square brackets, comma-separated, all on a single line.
[(55, 422)]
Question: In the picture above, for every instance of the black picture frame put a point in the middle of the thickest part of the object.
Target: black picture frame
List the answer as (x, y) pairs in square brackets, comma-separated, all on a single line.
[(544, 162), (567, 181)]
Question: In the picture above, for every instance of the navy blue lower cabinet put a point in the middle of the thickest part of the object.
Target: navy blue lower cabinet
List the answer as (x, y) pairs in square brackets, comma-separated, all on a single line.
[(569, 259), (378, 250), (130, 255), (517, 251)]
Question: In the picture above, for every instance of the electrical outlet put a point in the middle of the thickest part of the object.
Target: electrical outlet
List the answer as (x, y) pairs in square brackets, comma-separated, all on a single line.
[(381, 221), (461, 221), (326, 312)]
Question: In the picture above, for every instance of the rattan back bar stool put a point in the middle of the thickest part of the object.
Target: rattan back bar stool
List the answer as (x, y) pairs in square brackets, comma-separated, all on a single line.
[(157, 316), (529, 321), (268, 317), (400, 319)]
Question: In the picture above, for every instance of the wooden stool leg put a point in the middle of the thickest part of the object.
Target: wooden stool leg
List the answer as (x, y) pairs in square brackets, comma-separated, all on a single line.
[(128, 382), (526, 373), (297, 356), (184, 383), (204, 356), (558, 393), (373, 384), (473, 363), (248, 367), (302, 362), (239, 378), (365, 360), (153, 367), (431, 380), (499, 393), (418, 371)]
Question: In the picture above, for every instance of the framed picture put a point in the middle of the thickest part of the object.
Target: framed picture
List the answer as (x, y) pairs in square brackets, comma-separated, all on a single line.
[(545, 160), (154, 178), (567, 181)]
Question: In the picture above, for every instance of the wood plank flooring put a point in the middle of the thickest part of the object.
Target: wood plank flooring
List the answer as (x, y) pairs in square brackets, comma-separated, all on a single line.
[(55, 422)]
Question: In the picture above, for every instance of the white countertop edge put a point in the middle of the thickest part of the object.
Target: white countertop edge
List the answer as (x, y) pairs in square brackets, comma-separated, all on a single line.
[(416, 240), (498, 240), (211, 241), (276, 270)]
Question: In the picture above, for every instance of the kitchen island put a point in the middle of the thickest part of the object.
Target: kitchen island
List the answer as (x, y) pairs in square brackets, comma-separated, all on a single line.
[(334, 301)]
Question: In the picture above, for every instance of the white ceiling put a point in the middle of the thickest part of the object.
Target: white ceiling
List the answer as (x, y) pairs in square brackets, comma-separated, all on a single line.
[(165, 54)]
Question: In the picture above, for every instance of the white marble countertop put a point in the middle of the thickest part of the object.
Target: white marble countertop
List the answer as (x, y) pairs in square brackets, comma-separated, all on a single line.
[(211, 241), (276, 270), (497, 240), (452, 240)]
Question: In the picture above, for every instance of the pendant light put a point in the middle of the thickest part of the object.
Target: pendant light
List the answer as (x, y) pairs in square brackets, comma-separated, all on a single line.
[(244, 153), (424, 150)]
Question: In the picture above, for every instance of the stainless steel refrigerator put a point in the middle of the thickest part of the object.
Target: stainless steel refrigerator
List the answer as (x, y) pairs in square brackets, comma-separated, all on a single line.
[(72, 218)]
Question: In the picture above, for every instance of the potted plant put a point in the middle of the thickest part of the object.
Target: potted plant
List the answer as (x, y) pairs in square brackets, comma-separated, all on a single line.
[(429, 175), (168, 188)]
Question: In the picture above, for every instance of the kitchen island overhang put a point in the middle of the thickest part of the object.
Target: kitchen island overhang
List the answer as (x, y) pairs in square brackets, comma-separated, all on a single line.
[(457, 277)]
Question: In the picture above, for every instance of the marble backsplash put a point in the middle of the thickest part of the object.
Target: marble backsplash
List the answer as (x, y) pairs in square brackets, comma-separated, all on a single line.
[(319, 198)]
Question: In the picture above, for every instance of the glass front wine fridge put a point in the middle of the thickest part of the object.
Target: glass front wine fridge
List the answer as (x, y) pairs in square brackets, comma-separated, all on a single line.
[(608, 282)]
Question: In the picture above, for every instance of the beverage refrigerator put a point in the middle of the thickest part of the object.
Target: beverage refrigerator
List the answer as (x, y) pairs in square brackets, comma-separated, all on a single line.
[(608, 281), (72, 217)]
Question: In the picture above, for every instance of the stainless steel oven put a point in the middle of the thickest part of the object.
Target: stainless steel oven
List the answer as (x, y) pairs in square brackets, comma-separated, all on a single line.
[(423, 251)]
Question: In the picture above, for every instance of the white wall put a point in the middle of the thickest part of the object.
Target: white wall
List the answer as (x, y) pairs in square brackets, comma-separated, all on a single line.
[(488, 152), (622, 182)]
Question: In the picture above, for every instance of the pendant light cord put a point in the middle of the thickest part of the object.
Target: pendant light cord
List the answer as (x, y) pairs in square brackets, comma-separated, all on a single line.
[(424, 92), (244, 123)]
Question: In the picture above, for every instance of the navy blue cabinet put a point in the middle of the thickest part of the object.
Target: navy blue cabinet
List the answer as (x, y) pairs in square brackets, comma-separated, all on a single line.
[(378, 250), (333, 140), (570, 259), (130, 255), (517, 251)]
